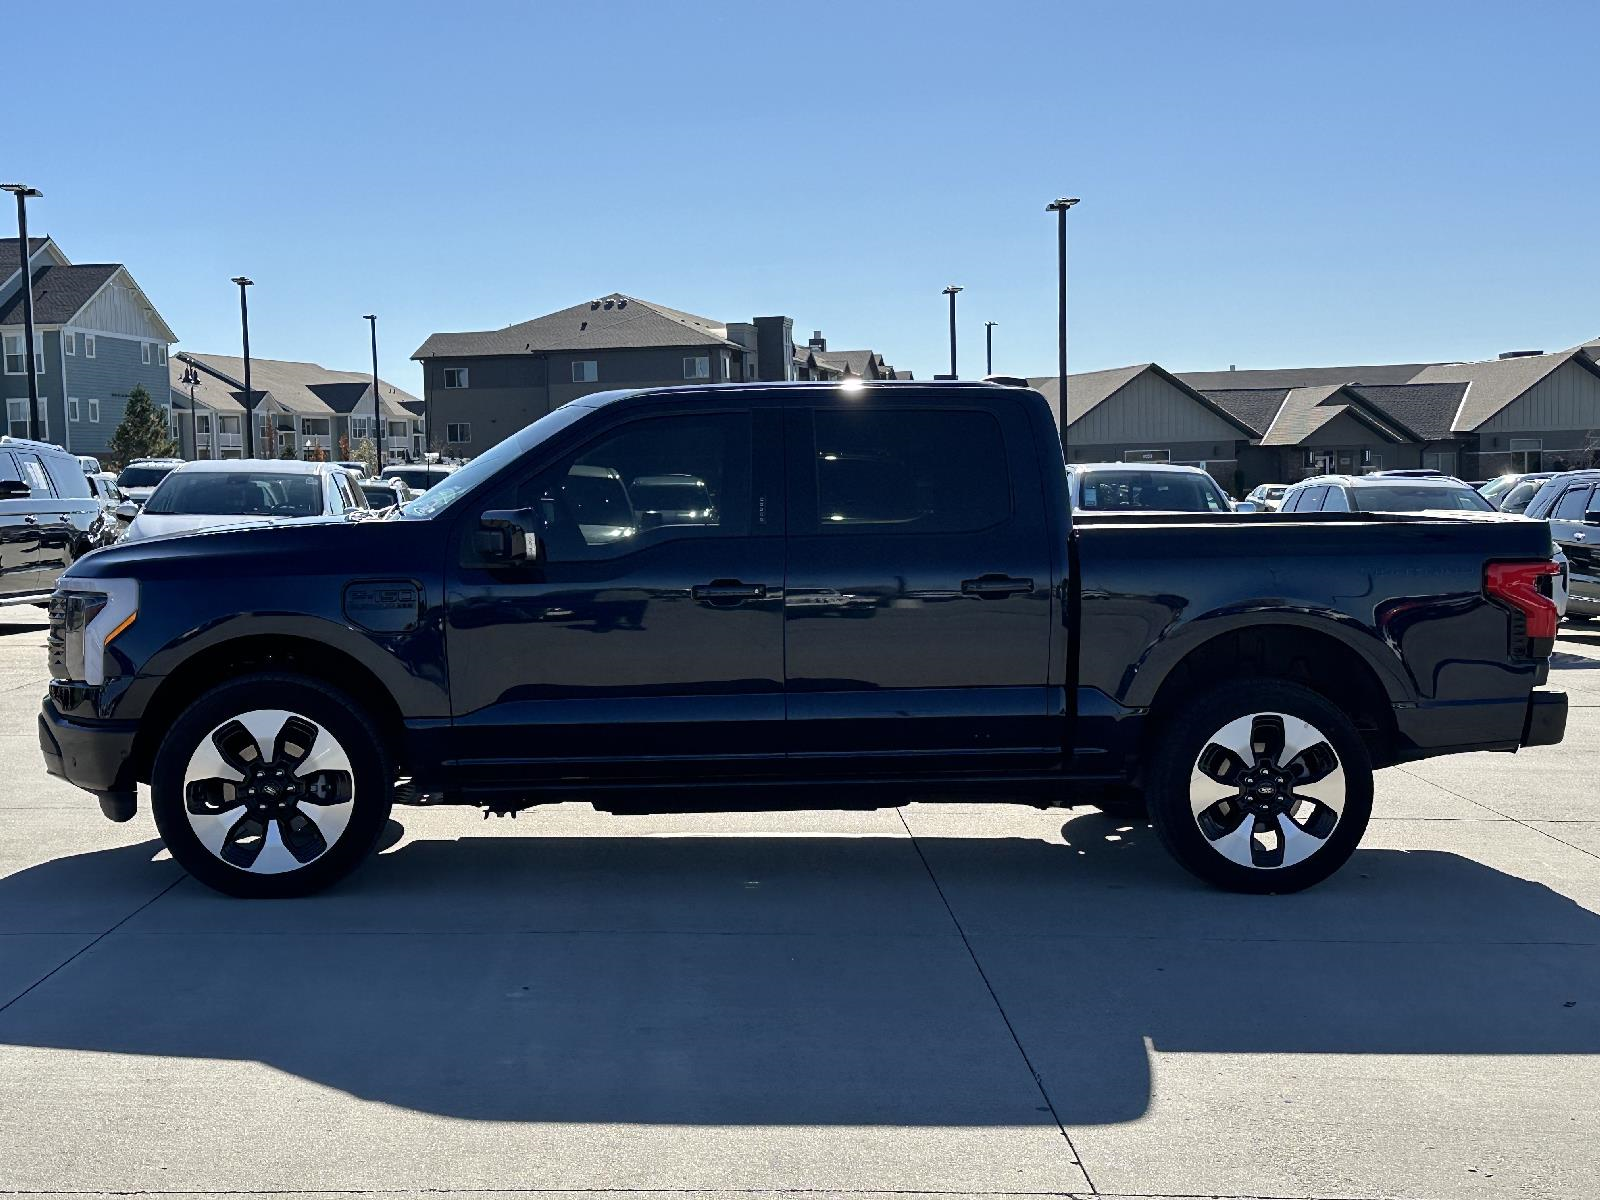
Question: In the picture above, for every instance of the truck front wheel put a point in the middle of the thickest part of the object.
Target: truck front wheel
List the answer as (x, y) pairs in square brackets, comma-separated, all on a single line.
[(271, 785), (1260, 786)]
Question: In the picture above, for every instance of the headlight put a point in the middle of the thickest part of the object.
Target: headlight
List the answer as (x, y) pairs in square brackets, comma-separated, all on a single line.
[(86, 615)]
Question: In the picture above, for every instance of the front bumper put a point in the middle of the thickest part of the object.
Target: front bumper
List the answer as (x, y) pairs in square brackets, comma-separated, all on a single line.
[(96, 756)]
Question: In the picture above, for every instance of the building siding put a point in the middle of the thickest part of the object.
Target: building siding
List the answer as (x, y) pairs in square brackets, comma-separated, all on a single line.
[(1566, 399), (1149, 412), (108, 377)]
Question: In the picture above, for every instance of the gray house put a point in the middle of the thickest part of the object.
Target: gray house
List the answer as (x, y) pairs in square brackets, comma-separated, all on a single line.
[(96, 336), (482, 387)]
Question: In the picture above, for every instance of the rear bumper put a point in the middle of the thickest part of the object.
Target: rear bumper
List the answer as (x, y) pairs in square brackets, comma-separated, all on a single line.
[(1546, 723), (1428, 730), (97, 757)]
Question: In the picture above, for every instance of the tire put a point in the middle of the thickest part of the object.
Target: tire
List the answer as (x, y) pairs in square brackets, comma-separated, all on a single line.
[(1242, 764), (310, 806)]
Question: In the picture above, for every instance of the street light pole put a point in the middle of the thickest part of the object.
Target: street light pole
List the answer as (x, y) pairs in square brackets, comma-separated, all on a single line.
[(192, 377), (1060, 207), (988, 346), (951, 292), (377, 397), (24, 193), (249, 397)]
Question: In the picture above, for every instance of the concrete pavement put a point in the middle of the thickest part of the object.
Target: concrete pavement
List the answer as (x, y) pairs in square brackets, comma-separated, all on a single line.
[(945, 999)]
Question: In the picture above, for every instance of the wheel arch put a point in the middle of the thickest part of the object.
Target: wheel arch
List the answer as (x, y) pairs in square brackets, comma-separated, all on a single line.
[(279, 653), (1313, 656)]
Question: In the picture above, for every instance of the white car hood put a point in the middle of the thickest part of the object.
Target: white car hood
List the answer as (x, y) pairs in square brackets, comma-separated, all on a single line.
[(149, 525)]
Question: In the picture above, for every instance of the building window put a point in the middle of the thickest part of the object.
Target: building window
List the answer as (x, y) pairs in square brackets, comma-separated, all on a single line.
[(397, 429), (17, 359), (72, 408), (458, 433), (697, 368), (144, 353), (585, 370), (455, 377), (1526, 454), (17, 417), (749, 370), (69, 343), (727, 365), (314, 426), (94, 411), (202, 422), (360, 428), (161, 355), (88, 345)]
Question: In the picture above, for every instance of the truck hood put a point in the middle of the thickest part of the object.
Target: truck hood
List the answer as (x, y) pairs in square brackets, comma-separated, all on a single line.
[(151, 525), (203, 554)]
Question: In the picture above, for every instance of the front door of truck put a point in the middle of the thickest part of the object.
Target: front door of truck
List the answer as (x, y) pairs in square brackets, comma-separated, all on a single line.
[(918, 610), (647, 641)]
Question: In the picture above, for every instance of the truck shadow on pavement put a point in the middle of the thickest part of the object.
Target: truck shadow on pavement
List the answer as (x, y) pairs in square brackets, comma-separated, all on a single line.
[(804, 980)]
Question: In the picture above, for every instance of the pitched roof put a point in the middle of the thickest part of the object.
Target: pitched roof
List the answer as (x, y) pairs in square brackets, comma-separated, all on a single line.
[(210, 392), (11, 257), (1427, 409), (1306, 410), (1088, 390), (58, 292), (613, 322), (1494, 384), (1292, 377), (857, 362), (301, 387), (1256, 407)]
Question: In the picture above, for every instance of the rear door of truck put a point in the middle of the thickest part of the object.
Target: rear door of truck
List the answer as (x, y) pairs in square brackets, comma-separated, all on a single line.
[(918, 607)]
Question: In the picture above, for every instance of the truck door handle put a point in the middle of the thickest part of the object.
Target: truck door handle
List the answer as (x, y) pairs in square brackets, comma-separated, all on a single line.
[(1578, 537), (30, 519), (995, 587), (725, 593)]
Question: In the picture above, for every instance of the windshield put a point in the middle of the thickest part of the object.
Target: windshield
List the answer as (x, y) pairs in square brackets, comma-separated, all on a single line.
[(238, 494), (1166, 491), (1399, 497), (452, 487), (1497, 488), (379, 497), (143, 476), (1519, 497)]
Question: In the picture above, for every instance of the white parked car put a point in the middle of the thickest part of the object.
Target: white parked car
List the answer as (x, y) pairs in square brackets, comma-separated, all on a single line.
[(228, 493), (1267, 496), (140, 477)]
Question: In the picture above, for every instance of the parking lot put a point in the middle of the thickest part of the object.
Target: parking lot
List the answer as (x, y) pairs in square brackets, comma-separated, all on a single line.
[(950, 999)]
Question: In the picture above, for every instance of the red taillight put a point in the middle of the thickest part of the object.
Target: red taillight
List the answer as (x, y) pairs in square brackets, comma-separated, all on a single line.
[(1517, 584)]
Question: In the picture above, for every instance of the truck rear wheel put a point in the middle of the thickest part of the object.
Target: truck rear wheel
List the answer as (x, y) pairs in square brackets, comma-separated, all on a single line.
[(1260, 786), (271, 785)]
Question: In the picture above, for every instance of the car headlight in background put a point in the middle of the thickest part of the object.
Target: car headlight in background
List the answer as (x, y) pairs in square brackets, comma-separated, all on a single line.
[(86, 615)]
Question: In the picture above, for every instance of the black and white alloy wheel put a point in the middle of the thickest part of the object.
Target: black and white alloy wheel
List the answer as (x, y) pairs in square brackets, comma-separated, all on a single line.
[(1262, 787), (269, 791), (271, 785)]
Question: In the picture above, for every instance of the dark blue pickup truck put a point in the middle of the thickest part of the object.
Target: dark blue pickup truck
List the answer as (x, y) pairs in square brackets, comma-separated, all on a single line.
[(791, 596)]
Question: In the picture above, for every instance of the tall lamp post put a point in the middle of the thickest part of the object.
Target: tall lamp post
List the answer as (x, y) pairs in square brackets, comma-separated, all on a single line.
[(988, 346), (377, 396), (191, 377), (951, 292), (1060, 207), (249, 396), (24, 193)]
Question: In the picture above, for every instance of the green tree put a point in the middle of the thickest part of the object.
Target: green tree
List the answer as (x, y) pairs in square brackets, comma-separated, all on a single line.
[(143, 432), (366, 454)]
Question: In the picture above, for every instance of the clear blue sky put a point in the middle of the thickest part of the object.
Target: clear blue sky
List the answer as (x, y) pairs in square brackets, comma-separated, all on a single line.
[(1263, 183)]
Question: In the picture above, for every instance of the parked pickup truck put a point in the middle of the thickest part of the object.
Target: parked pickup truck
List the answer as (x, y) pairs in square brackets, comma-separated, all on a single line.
[(879, 593)]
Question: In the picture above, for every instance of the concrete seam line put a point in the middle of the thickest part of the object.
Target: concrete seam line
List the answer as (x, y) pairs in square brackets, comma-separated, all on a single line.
[(1504, 816), (1038, 1080)]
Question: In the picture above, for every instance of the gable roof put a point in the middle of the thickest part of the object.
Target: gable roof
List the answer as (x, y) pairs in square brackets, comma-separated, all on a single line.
[(306, 389), (1305, 410), (1494, 384), (11, 256), (211, 392), (856, 362), (614, 322), (1427, 409), (1087, 391), (59, 293)]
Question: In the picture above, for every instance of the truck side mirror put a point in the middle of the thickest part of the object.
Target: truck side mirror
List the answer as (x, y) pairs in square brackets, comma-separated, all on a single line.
[(126, 511), (510, 536), (1245, 506)]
